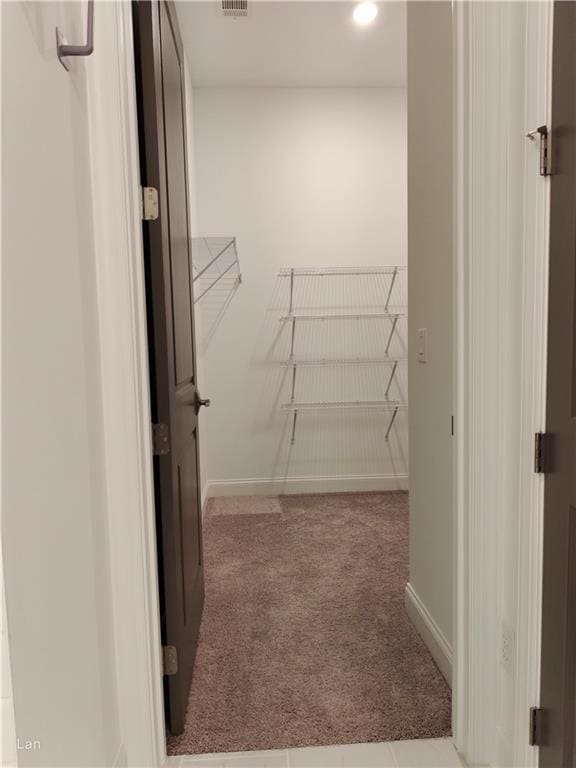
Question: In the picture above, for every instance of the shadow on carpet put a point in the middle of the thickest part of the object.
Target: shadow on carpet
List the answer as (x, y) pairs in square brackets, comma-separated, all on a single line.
[(305, 640)]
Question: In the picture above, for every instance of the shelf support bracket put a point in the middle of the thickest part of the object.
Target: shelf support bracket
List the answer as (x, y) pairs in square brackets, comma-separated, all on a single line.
[(391, 287), (292, 337), (293, 437), (391, 379), (392, 329), (391, 423), (293, 393)]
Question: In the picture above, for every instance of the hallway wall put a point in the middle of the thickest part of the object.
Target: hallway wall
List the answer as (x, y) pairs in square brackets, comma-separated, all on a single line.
[(430, 298), (54, 511), (302, 177)]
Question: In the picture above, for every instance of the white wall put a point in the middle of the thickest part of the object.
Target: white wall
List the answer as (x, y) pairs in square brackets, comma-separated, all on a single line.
[(430, 298), (302, 177), (8, 749), (54, 524), (198, 318), (191, 150)]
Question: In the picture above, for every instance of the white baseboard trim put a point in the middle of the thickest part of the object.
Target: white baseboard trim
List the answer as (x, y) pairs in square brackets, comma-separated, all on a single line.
[(430, 632), (204, 498), (290, 485)]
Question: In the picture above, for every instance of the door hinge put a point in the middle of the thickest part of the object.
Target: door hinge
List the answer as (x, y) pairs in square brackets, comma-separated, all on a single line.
[(160, 440), (169, 659), (150, 206), (545, 148), (535, 734), (540, 452)]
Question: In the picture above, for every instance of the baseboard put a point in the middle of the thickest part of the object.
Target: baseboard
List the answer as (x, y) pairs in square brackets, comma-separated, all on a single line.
[(290, 485), (204, 499), (430, 632)]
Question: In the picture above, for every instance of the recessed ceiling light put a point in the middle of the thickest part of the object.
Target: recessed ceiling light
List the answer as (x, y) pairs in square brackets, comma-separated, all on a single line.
[(365, 13)]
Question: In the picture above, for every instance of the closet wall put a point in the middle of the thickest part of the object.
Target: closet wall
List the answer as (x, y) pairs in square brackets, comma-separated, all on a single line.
[(195, 232), (302, 177), (430, 235)]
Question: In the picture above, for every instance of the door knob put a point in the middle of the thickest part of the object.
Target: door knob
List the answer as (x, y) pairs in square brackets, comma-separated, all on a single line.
[(200, 401)]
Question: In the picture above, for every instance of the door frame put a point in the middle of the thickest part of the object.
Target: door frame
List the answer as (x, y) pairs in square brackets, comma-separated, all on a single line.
[(121, 297), (482, 275), (126, 407)]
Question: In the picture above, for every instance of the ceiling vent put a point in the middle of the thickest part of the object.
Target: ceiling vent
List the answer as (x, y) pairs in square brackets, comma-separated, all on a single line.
[(235, 8)]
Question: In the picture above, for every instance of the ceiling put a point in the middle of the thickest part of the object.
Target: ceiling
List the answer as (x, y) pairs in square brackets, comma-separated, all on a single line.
[(294, 43)]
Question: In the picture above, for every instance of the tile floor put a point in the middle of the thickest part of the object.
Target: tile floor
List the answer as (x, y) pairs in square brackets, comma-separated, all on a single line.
[(424, 753)]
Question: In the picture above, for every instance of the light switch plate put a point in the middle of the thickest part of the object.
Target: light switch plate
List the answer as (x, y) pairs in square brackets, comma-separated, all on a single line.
[(422, 345)]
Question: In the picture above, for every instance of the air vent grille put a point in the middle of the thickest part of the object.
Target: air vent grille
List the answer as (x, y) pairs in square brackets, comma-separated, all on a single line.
[(235, 7)]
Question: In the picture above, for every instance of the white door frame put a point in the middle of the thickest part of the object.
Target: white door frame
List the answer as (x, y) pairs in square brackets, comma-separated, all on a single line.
[(125, 385), (495, 480)]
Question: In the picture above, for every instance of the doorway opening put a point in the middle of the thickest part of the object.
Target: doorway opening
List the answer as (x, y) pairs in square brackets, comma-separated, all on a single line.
[(327, 615)]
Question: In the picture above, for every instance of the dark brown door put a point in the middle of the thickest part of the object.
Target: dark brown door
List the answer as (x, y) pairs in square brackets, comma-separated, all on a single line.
[(174, 394), (559, 596)]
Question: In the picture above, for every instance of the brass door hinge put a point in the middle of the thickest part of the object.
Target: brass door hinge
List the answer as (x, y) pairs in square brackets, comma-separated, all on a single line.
[(545, 148), (150, 205), (160, 440), (169, 659), (541, 451), (535, 732)]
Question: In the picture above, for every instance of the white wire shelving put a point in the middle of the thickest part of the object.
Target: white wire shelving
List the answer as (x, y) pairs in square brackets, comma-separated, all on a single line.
[(215, 265), (371, 296), (301, 361)]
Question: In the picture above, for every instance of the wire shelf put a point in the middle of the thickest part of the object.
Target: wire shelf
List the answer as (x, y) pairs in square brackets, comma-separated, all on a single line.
[(368, 294), (338, 271), (366, 405), (215, 264), (339, 315), (327, 362)]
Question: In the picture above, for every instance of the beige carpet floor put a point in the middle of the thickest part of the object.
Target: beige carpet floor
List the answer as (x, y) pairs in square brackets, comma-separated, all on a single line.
[(305, 639)]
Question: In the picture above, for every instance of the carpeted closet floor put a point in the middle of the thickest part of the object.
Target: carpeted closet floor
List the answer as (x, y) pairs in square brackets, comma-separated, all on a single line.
[(305, 639)]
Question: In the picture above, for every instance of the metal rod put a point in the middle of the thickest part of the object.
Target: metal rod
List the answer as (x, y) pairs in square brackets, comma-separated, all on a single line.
[(335, 271), (391, 287), (391, 378), (392, 329), (291, 306), (293, 393), (390, 424), (222, 252), (326, 361), (293, 337), (320, 405), (213, 283), (293, 437), (63, 49), (342, 316)]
